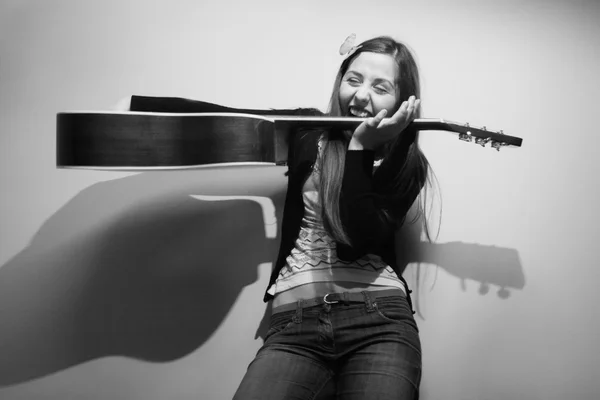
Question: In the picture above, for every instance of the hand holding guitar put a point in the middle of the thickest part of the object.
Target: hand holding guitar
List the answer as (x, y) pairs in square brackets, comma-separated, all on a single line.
[(378, 130)]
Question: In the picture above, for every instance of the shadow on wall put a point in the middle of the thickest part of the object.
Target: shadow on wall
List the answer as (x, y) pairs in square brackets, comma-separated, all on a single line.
[(488, 265), (132, 267)]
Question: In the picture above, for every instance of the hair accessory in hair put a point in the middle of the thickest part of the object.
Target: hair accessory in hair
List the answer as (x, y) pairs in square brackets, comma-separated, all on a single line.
[(348, 48)]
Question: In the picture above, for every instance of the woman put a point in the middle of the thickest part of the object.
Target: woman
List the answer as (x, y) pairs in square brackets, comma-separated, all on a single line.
[(341, 309)]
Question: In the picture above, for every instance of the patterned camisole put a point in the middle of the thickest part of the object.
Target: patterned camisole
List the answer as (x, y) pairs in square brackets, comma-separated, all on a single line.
[(314, 257)]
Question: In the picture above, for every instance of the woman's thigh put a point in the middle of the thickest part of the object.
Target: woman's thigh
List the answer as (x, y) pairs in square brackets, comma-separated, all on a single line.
[(387, 364), (285, 367), (276, 374), (380, 371)]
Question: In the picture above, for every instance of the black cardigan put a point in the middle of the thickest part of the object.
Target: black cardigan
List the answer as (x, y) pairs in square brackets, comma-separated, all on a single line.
[(368, 229)]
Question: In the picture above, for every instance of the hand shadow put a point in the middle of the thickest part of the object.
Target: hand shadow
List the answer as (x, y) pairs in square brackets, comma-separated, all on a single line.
[(134, 267)]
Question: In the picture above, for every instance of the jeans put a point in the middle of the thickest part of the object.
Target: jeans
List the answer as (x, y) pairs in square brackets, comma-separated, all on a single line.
[(371, 350)]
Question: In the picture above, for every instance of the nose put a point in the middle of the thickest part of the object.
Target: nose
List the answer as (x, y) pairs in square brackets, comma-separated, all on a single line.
[(362, 95)]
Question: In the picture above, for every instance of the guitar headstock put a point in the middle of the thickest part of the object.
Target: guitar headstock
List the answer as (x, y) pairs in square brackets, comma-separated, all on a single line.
[(478, 135), (481, 136)]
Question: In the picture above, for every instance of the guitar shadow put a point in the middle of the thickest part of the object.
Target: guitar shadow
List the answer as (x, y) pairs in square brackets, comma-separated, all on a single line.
[(486, 264), (137, 267)]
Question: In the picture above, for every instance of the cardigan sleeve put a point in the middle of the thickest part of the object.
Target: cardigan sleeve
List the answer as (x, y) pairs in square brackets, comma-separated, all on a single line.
[(362, 218), (369, 223)]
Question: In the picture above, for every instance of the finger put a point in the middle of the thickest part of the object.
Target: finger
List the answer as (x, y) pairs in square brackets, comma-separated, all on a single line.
[(376, 120), (415, 112), (380, 116), (400, 114), (411, 106)]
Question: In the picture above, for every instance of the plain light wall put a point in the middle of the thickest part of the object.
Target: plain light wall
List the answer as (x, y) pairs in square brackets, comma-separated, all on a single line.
[(116, 285)]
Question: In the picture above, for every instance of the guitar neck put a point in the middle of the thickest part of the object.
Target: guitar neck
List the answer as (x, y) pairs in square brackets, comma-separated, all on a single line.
[(424, 124), (479, 135)]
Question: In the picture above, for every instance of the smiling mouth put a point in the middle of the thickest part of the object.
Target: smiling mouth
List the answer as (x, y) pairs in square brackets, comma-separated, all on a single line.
[(358, 112)]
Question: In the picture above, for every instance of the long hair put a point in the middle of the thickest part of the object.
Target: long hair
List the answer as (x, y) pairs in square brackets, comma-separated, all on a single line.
[(393, 179)]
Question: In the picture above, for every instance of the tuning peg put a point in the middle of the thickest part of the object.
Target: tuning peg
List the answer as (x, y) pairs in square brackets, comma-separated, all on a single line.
[(498, 145), (465, 136), (482, 142)]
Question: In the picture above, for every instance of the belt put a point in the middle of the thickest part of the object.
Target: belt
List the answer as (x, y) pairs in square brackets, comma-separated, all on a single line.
[(333, 298)]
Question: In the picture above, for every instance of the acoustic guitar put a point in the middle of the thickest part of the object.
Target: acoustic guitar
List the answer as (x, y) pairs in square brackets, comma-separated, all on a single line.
[(151, 140)]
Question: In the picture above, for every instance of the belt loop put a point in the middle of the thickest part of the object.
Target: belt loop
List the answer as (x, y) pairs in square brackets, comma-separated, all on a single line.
[(346, 298), (298, 317), (368, 301)]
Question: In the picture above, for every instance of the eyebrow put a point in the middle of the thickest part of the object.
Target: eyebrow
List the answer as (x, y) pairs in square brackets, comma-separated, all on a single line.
[(378, 80)]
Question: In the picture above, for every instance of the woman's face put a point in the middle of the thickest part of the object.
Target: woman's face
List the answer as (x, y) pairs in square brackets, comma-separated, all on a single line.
[(369, 86)]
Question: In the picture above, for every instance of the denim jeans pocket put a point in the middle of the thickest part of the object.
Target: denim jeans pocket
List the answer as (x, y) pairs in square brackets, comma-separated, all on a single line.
[(395, 309), (280, 322), (398, 313)]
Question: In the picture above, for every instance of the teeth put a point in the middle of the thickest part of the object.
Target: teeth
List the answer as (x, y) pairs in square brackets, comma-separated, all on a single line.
[(357, 113)]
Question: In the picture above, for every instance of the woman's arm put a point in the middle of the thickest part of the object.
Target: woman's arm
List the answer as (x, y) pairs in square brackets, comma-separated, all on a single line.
[(363, 219), (367, 221)]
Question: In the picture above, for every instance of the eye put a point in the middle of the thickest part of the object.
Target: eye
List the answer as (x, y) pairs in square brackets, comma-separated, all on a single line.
[(353, 81), (381, 90)]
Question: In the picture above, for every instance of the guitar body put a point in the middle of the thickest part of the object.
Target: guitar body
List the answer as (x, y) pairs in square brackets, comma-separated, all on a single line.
[(145, 140)]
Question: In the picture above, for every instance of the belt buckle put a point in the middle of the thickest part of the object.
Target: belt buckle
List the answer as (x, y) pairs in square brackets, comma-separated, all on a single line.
[(329, 302)]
